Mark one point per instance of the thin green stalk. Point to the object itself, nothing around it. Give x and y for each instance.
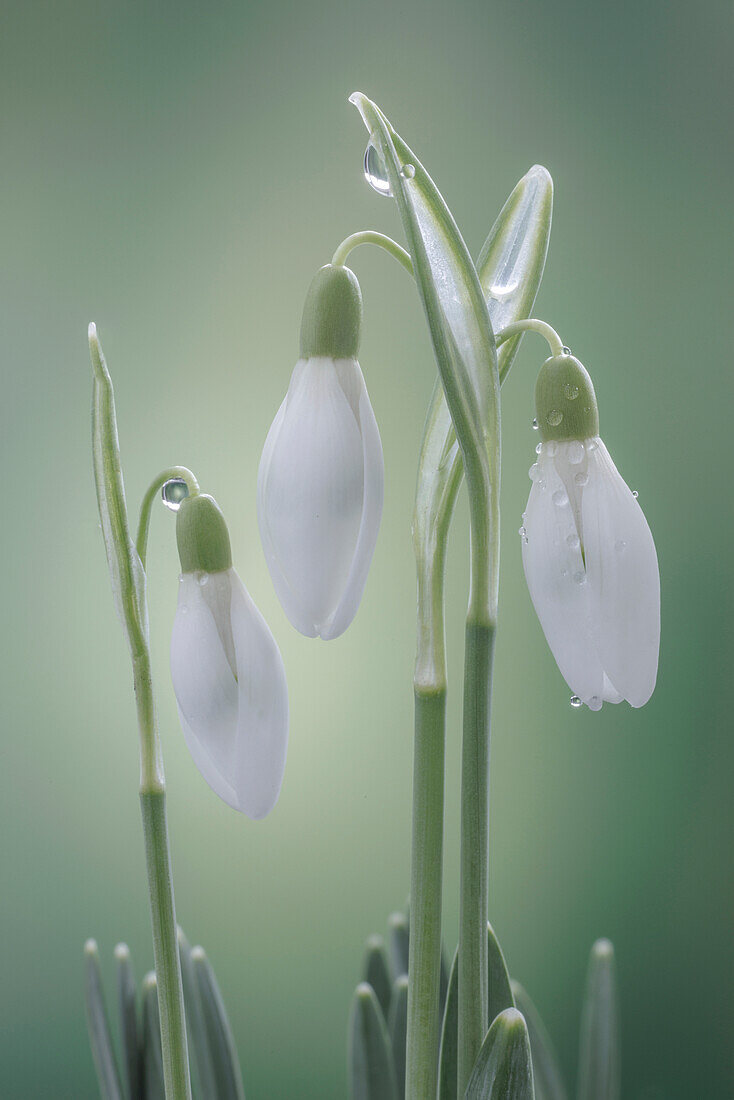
(371, 236)
(128, 583)
(180, 473)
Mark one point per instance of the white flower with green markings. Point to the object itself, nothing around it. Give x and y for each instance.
(589, 556)
(320, 483)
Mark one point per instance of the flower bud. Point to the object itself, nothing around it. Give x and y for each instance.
(565, 401)
(320, 483)
(227, 671)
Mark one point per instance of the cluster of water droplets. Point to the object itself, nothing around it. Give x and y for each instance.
(376, 174)
(173, 492)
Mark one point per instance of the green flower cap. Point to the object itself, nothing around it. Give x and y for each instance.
(565, 401)
(202, 536)
(332, 314)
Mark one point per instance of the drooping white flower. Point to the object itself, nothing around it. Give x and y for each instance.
(320, 483)
(588, 553)
(227, 671)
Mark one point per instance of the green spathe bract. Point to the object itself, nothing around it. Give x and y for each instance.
(565, 402)
(332, 315)
(202, 536)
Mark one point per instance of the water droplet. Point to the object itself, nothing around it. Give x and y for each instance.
(407, 171)
(635, 494)
(571, 391)
(173, 492)
(575, 452)
(592, 444)
(502, 291)
(573, 541)
(576, 702)
(551, 449)
(581, 479)
(534, 473)
(565, 350)
(579, 578)
(554, 417)
(375, 172)
(619, 545)
(539, 448)
(560, 497)
(203, 578)
(595, 703)
(523, 535)
(534, 425)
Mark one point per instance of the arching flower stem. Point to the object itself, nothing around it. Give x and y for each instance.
(532, 324)
(173, 473)
(371, 236)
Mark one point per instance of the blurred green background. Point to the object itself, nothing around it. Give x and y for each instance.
(176, 172)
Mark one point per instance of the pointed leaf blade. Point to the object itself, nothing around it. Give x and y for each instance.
(503, 1070)
(448, 1059)
(499, 996)
(547, 1075)
(98, 1026)
(399, 942)
(132, 1050)
(599, 1060)
(152, 1054)
(376, 972)
(219, 1033)
(370, 1061)
(398, 1029)
(198, 1038)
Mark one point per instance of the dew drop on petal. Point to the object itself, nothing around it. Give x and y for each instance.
(635, 494)
(539, 448)
(573, 541)
(534, 472)
(375, 172)
(551, 449)
(173, 492)
(202, 579)
(595, 703)
(571, 391)
(581, 479)
(560, 497)
(579, 578)
(534, 424)
(407, 171)
(576, 702)
(554, 417)
(592, 444)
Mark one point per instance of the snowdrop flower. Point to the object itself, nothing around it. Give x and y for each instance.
(589, 556)
(227, 671)
(320, 483)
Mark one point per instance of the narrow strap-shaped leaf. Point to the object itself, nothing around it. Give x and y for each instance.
(226, 1064)
(547, 1076)
(499, 998)
(152, 1055)
(397, 1027)
(132, 1047)
(503, 1070)
(599, 1061)
(376, 971)
(198, 1038)
(371, 1068)
(98, 1026)
(399, 941)
(448, 1060)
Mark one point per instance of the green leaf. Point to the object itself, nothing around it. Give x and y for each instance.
(599, 1060)
(132, 1045)
(452, 297)
(376, 972)
(399, 940)
(547, 1076)
(152, 1055)
(397, 1027)
(219, 1033)
(98, 1026)
(503, 1070)
(198, 1038)
(499, 997)
(370, 1063)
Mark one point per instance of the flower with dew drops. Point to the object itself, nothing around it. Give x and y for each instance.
(320, 483)
(588, 553)
(227, 671)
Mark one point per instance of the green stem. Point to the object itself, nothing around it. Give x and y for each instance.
(371, 236)
(532, 324)
(172, 473)
(424, 968)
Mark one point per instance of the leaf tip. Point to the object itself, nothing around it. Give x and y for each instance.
(122, 952)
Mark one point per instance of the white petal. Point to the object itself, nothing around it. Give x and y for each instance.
(374, 477)
(320, 495)
(556, 580)
(623, 580)
(230, 687)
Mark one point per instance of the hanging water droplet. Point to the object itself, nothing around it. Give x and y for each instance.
(571, 391)
(576, 702)
(619, 545)
(560, 497)
(173, 492)
(203, 578)
(375, 172)
(539, 448)
(581, 479)
(534, 425)
(565, 350)
(554, 417)
(523, 535)
(573, 541)
(635, 494)
(575, 452)
(407, 171)
(592, 444)
(595, 703)
(534, 473)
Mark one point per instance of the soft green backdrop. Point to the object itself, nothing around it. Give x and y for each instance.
(176, 172)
